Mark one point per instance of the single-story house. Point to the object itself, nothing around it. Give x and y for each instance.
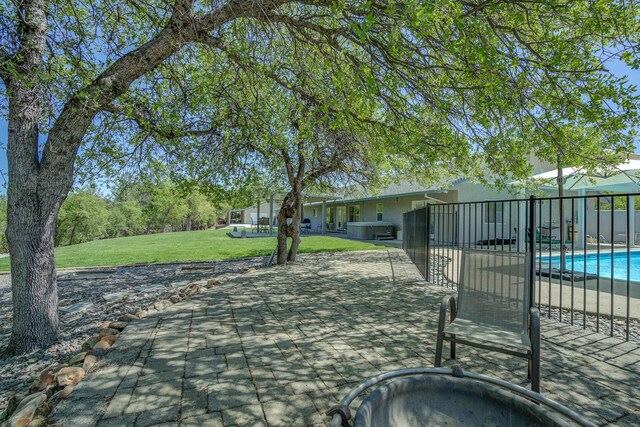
(382, 212)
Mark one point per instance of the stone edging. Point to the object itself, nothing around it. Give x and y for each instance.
(56, 382)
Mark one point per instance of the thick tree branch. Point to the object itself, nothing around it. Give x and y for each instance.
(288, 166)
(76, 116)
(301, 158)
(145, 121)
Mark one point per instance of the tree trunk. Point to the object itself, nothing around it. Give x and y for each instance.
(73, 234)
(295, 232)
(282, 238)
(33, 279)
(187, 224)
(289, 225)
(34, 197)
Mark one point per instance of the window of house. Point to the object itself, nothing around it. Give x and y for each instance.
(493, 213)
(379, 211)
(415, 204)
(315, 212)
(354, 213)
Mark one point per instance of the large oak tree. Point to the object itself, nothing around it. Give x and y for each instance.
(454, 79)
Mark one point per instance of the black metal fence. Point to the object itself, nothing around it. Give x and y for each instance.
(585, 270)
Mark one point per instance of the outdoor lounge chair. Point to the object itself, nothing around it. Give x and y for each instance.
(548, 242)
(492, 310)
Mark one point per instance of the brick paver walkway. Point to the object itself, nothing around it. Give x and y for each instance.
(279, 346)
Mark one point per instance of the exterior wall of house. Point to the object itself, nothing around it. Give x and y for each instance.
(313, 211)
(392, 209)
(469, 192)
(251, 212)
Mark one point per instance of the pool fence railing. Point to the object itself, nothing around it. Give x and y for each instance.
(593, 236)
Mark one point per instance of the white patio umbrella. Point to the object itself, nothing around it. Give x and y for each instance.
(624, 177)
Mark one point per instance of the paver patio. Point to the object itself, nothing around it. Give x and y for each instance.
(279, 346)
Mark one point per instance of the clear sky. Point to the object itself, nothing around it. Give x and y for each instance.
(617, 68)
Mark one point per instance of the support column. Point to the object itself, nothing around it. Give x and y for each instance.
(632, 221)
(346, 217)
(258, 216)
(324, 216)
(271, 216)
(582, 219)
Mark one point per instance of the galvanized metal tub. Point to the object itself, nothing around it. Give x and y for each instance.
(449, 397)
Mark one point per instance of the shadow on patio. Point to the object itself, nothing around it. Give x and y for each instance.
(279, 346)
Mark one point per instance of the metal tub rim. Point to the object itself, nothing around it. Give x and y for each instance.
(341, 413)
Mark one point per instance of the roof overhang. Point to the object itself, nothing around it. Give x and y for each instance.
(423, 194)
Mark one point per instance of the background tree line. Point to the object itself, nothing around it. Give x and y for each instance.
(142, 208)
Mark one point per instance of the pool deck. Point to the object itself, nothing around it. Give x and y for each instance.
(279, 346)
(550, 293)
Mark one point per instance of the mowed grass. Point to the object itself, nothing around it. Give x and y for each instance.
(185, 246)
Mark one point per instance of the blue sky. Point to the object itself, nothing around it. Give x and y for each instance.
(617, 68)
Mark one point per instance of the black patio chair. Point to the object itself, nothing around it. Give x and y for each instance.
(492, 309)
(306, 226)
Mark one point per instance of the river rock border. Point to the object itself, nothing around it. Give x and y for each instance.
(57, 381)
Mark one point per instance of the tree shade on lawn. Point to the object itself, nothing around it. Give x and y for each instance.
(185, 246)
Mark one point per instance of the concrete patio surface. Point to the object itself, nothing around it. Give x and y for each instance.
(279, 346)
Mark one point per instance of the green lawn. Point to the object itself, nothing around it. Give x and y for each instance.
(184, 246)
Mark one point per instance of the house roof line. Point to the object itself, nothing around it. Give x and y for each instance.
(385, 196)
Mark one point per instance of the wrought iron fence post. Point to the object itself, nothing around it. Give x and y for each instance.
(532, 249)
(428, 243)
(404, 227)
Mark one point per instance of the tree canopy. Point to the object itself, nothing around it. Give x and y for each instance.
(436, 86)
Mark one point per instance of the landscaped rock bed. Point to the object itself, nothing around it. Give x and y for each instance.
(95, 305)
(603, 322)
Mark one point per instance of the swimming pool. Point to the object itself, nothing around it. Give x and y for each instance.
(619, 264)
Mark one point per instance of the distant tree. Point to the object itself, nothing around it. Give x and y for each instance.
(83, 217)
(306, 149)
(125, 219)
(166, 209)
(607, 202)
(201, 213)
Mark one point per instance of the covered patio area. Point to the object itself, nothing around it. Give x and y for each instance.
(279, 346)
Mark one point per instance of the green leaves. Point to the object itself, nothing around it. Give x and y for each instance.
(435, 86)
(83, 217)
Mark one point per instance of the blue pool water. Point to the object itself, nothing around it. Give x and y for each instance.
(619, 264)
